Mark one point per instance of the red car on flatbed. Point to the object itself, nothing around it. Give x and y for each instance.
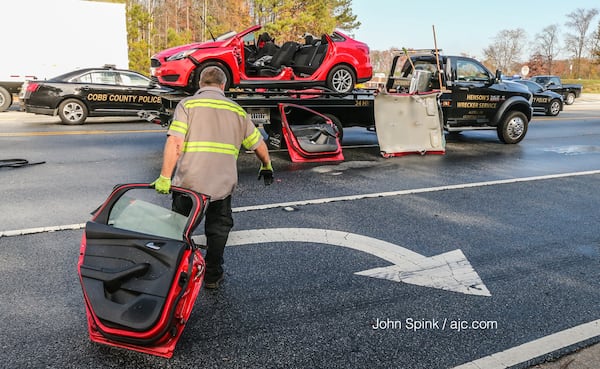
(252, 60)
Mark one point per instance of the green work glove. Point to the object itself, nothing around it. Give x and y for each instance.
(162, 184)
(266, 172)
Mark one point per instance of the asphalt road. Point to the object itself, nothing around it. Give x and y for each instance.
(526, 217)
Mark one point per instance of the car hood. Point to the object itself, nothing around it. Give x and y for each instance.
(516, 86)
(203, 45)
(195, 45)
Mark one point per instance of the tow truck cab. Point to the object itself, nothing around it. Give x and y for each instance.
(472, 97)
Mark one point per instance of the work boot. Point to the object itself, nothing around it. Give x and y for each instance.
(212, 282)
(213, 277)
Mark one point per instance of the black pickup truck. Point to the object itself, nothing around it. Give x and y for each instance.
(568, 91)
(472, 97)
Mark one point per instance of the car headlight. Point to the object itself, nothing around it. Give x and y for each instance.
(181, 55)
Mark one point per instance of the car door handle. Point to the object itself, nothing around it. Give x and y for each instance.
(463, 88)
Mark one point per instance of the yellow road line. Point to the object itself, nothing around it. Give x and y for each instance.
(62, 133)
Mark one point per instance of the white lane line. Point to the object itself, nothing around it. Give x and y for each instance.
(336, 199)
(26, 231)
(413, 191)
(531, 350)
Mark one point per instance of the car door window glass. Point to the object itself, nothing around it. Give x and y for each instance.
(84, 78)
(130, 79)
(141, 211)
(469, 71)
(105, 78)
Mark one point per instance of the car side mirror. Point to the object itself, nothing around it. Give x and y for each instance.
(498, 75)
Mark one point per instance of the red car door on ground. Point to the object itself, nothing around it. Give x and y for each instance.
(139, 269)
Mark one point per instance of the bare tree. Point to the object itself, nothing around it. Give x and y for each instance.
(579, 21)
(548, 45)
(595, 45)
(506, 50)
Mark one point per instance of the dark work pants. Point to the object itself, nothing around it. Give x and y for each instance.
(218, 221)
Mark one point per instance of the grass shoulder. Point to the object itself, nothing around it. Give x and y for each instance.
(590, 86)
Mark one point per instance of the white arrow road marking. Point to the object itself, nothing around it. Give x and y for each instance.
(449, 271)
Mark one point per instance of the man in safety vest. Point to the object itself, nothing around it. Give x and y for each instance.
(203, 142)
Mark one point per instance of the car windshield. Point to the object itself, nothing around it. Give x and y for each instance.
(226, 36)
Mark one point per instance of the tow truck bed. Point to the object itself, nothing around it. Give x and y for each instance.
(348, 110)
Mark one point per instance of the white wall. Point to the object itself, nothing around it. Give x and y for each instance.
(50, 37)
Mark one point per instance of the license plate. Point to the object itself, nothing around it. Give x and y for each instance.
(260, 116)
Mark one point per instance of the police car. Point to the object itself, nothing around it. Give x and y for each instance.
(91, 92)
(544, 100)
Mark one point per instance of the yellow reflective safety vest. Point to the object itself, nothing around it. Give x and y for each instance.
(213, 129)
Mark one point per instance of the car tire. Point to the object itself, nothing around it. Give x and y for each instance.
(554, 108)
(341, 79)
(196, 79)
(5, 99)
(72, 111)
(513, 127)
(570, 99)
(338, 124)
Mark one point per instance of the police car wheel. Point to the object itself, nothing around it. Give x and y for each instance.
(72, 111)
(513, 128)
(554, 108)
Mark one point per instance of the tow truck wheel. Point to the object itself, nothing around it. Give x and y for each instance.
(570, 98)
(5, 99)
(338, 124)
(554, 108)
(513, 128)
(341, 79)
(196, 80)
(72, 111)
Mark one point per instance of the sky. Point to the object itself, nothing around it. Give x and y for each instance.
(461, 26)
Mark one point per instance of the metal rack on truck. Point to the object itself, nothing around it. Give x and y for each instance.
(355, 109)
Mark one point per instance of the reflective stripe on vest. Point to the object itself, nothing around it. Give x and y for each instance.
(207, 146)
(215, 104)
(252, 139)
(179, 126)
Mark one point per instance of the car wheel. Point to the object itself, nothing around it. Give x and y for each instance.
(570, 98)
(5, 99)
(338, 124)
(196, 80)
(513, 128)
(72, 111)
(554, 108)
(341, 79)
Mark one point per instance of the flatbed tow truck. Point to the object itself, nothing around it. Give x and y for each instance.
(471, 98)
